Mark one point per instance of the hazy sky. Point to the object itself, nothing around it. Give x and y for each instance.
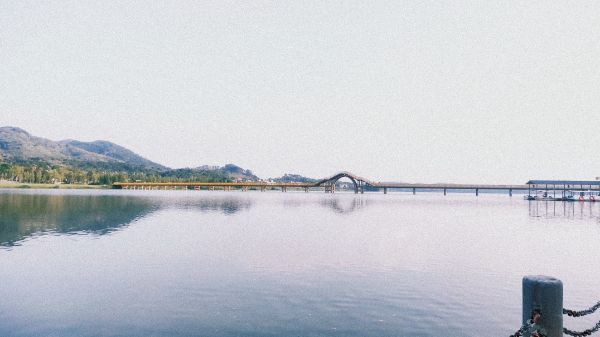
(455, 91)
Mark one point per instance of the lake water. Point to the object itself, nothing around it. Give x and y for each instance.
(189, 263)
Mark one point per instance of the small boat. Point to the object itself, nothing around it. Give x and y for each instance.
(590, 196)
(541, 195)
(567, 196)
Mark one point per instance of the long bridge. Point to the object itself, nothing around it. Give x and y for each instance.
(326, 184)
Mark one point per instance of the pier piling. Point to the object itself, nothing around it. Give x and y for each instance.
(545, 294)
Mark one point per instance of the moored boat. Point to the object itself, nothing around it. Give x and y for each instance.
(590, 196)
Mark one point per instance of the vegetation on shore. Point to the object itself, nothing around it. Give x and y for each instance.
(5, 184)
(41, 173)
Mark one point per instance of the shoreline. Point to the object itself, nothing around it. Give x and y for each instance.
(4, 185)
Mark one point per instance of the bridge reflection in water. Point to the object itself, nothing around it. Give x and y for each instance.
(328, 185)
(29, 214)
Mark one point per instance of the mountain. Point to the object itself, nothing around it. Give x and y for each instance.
(236, 172)
(18, 146)
(294, 178)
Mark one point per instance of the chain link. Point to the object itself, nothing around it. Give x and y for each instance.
(519, 332)
(582, 333)
(574, 313)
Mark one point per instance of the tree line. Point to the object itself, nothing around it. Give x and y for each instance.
(51, 174)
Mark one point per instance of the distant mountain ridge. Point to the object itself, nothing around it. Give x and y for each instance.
(18, 146)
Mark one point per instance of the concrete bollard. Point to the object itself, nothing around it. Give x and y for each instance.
(544, 293)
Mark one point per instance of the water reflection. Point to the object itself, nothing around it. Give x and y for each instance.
(564, 209)
(23, 215)
(344, 206)
(295, 264)
(339, 204)
(226, 205)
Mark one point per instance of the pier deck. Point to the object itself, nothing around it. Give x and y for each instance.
(328, 184)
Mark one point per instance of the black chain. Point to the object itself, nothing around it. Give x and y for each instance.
(519, 332)
(582, 333)
(574, 313)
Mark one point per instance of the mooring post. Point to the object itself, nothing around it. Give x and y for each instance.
(510, 192)
(546, 294)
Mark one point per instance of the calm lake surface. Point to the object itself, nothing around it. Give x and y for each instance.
(189, 263)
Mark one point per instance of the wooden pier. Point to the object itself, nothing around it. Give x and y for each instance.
(327, 184)
(360, 184)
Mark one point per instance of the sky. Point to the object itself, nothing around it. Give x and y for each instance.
(411, 91)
